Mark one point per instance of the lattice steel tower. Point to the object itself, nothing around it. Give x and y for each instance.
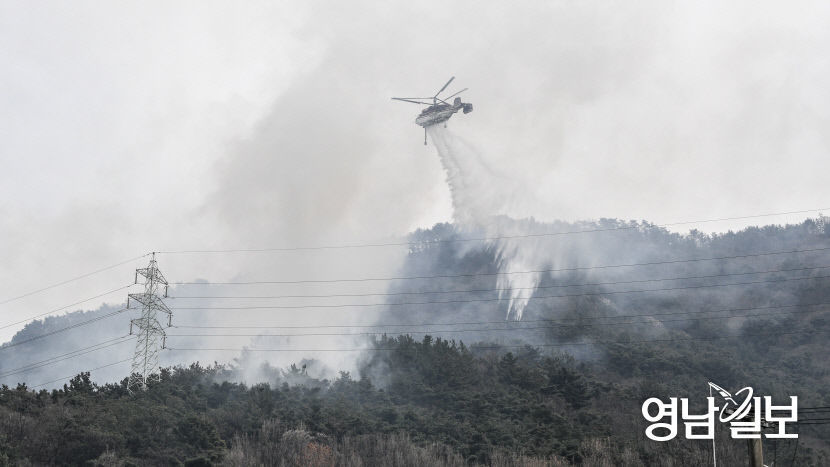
(151, 335)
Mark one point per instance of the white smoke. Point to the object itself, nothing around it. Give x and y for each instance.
(481, 202)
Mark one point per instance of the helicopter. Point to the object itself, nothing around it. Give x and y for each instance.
(438, 110)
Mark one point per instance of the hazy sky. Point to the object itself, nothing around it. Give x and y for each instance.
(130, 127)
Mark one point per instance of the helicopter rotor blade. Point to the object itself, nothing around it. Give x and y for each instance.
(408, 100)
(459, 92)
(445, 86)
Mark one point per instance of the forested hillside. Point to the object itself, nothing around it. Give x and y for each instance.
(627, 312)
(443, 403)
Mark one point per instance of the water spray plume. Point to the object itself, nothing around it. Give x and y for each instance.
(481, 202)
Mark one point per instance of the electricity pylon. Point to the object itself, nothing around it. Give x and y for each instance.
(151, 335)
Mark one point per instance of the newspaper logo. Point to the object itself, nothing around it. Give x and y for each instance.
(746, 414)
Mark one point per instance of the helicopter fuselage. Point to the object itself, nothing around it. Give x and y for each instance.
(439, 113)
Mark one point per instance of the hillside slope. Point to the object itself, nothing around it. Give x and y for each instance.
(628, 312)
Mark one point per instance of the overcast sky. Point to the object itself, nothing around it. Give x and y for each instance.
(130, 127)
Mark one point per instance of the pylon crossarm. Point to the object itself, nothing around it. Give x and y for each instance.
(154, 273)
(144, 298)
(160, 278)
(160, 306)
(150, 300)
(146, 272)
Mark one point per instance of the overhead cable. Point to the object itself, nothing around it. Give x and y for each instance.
(72, 279)
(477, 239)
(533, 271)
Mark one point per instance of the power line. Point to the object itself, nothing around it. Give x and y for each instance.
(477, 239)
(67, 328)
(419, 243)
(534, 271)
(509, 328)
(111, 314)
(465, 275)
(819, 409)
(498, 347)
(455, 301)
(8, 300)
(535, 297)
(63, 357)
(470, 323)
(72, 279)
(101, 345)
(507, 289)
(439, 292)
(64, 307)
